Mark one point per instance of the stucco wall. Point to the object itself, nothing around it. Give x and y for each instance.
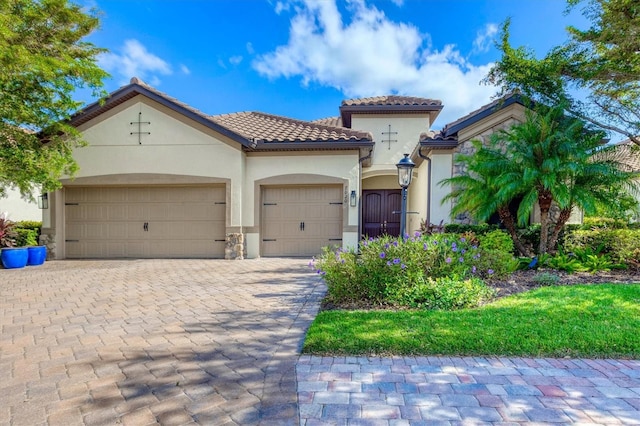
(441, 168)
(331, 167)
(18, 208)
(408, 126)
(174, 146)
(176, 150)
(418, 197)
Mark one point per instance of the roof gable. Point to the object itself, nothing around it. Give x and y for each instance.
(253, 130)
(389, 104)
(447, 138)
(137, 87)
(481, 113)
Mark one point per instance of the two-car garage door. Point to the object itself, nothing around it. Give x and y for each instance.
(145, 222)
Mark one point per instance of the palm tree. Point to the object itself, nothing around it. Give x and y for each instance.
(601, 179)
(548, 159)
(539, 158)
(474, 192)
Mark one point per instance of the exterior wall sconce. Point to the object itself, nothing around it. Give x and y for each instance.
(405, 172)
(43, 201)
(352, 199)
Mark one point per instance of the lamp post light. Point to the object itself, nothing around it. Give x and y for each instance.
(405, 171)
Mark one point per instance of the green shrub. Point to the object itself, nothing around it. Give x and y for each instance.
(561, 262)
(602, 222)
(496, 240)
(30, 224)
(28, 233)
(622, 245)
(26, 237)
(546, 278)
(384, 267)
(480, 229)
(496, 253)
(444, 293)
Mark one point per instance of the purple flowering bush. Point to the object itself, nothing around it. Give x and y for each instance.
(439, 271)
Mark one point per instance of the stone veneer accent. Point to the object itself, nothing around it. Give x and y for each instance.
(234, 248)
(48, 239)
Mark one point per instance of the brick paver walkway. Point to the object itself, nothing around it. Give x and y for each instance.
(467, 391)
(153, 341)
(217, 342)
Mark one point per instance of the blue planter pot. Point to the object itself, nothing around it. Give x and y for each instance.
(14, 257)
(37, 255)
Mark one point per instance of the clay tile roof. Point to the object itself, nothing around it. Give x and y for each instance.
(267, 128)
(389, 104)
(392, 100)
(437, 140)
(252, 129)
(480, 113)
(138, 87)
(329, 121)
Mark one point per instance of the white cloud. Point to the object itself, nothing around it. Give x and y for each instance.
(134, 60)
(398, 2)
(372, 55)
(250, 49)
(235, 60)
(185, 70)
(282, 6)
(484, 39)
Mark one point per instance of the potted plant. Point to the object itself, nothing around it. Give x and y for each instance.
(12, 257)
(27, 236)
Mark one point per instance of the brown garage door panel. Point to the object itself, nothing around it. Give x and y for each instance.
(142, 222)
(300, 221)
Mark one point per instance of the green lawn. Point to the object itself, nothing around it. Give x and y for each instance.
(578, 321)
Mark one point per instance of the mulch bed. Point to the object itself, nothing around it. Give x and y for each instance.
(518, 282)
(521, 281)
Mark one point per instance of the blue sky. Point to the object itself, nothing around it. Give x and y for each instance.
(301, 58)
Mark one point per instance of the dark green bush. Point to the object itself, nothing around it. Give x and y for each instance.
(603, 222)
(621, 245)
(444, 293)
(481, 229)
(28, 233)
(388, 271)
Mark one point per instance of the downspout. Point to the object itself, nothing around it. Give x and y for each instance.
(428, 159)
(360, 160)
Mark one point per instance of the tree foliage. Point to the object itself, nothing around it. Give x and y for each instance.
(595, 73)
(44, 60)
(475, 190)
(549, 159)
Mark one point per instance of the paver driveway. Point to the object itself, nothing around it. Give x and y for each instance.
(146, 341)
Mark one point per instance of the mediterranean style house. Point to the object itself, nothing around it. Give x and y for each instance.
(161, 179)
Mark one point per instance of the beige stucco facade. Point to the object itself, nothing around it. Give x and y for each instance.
(148, 144)
(18, 208)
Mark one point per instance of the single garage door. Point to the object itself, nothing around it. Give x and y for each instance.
(145, 222)
(300, 220)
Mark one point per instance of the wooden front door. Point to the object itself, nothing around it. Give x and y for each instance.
(378, 207)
